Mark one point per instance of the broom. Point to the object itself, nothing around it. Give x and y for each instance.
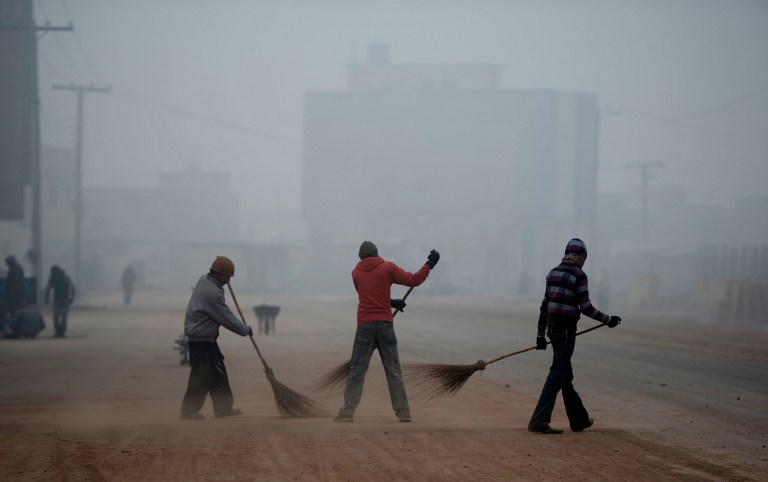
(289, 403)
(433, 381)
(337, 378)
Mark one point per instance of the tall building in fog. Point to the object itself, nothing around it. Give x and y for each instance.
(19, 112)
(416, 156)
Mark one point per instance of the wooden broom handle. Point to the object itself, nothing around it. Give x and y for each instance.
(234, 298)
(534, 347)
(404, 297)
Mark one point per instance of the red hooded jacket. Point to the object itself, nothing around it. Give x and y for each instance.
(373, 278)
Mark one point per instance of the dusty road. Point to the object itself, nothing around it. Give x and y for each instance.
(672, 399)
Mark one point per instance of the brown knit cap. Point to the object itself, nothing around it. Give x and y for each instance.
(223, 265)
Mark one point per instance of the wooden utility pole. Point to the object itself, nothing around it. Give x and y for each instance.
(645, 174)
(81, 90)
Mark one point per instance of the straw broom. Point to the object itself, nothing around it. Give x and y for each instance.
(337, 378)
(289, 403)
(434, 381)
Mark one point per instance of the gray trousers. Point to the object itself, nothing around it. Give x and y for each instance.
(368, 337)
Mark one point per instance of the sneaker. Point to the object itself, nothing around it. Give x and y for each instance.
(232, 413)
(343, 418)
(192, 416)
(544, 428)
(581, 429)
(407, 418)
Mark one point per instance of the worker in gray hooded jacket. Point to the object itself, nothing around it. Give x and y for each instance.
(207, 311)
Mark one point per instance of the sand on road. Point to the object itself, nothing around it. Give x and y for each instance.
(672, 399)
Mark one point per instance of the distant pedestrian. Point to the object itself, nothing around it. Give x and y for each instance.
(207, 311)
(373, 278)
(127, 280)
(15, 287)
(182, 345)
(565, 299)
(63, 294)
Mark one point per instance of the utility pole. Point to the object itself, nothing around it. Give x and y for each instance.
(645, 174)
(597, 243)
(81, 90)
(19, 18)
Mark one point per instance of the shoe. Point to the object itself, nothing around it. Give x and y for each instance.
(343, 418)
(232, 413)
(407, 418)
(544, 428)
(192, 416)
(589, 424)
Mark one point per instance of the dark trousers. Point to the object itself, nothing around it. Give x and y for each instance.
(127, 295)
(207, 375)
(60, 312)
(560, 378)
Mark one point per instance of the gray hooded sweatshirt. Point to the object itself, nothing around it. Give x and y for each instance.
(207, 311)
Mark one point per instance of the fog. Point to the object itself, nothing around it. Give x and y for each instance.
(225, 87)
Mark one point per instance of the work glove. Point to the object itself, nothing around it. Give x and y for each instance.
(398, 304)
(433, 258)
(250, 331)
(541, 342)
(615, 320)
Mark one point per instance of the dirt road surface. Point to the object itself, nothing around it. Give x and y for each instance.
(672, 399)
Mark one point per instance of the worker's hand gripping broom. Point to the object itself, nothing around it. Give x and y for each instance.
(337, 377)
(434, 381)
(289, 403)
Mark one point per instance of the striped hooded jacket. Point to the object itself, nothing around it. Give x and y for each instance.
(567, 293)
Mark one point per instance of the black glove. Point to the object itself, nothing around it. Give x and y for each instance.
(541, 343)
(398, 304)
(615, 320)
(433, 258)
(250, 331)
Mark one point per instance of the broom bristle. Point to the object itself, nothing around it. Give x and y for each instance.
(433, 381)
(291, 403)
(336, 378)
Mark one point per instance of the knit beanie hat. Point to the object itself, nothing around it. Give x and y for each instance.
(575, 252)
(576, 246)
(368, 249)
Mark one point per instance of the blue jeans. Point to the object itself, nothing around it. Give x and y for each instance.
(560, 378)
(368, 337)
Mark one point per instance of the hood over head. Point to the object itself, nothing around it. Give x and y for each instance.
(575, 252)
(576, 246)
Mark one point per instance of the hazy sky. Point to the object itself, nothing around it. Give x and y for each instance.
(220, 83)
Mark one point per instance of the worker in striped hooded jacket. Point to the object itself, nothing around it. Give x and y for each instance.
(565, 299)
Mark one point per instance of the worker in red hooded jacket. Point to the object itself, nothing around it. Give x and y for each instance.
(373, 278)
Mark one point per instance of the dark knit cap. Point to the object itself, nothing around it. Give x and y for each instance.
(368, 249)
(576, 246)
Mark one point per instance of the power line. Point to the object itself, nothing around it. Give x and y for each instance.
(209, 119)
(728, 104)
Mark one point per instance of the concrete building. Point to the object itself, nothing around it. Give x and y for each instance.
(171, 233)
(421, 156)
